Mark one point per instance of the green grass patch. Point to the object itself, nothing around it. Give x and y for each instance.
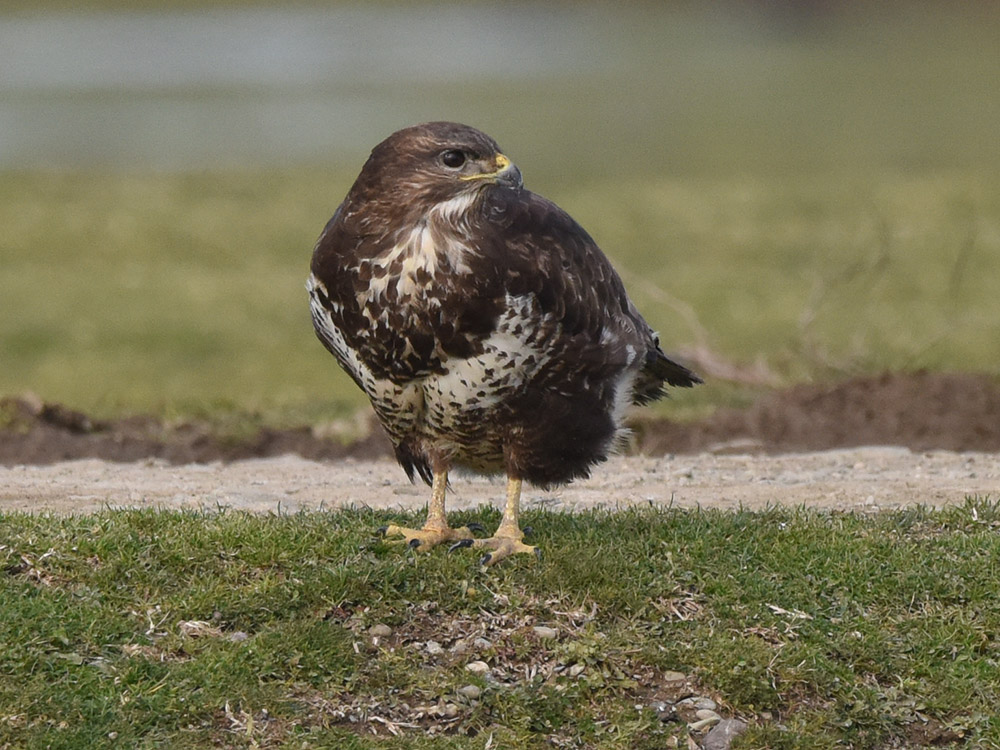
(182, 629)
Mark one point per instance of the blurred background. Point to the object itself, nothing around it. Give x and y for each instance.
(792, 190)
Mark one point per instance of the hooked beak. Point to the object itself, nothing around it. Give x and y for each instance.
(505, 174)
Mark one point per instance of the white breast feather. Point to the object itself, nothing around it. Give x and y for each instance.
(507, 362)
(421, 249)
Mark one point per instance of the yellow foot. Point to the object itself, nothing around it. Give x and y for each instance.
(502, 547)
(426, 538)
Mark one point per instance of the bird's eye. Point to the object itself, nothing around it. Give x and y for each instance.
(453, 158)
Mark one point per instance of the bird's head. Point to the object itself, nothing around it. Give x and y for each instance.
(431, 164)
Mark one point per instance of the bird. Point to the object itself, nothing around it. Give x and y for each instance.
(487, 328)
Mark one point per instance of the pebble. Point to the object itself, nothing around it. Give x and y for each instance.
(697, 726)
(722, 734)
(459, 647)
(477, 667)
(675, 686)
(450, 711)
(237, 636)
(472, 692)
(706, 714)
(481, 644)
(543, 631)
(664, 711)
(697, 703)
(379, 631)
(576, 670)
(433, 648)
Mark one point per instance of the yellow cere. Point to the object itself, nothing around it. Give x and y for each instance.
(502, 162)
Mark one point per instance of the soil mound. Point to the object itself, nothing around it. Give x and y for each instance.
(32, 432)
(920, 411)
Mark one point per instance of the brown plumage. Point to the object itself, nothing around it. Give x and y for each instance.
(485, 325)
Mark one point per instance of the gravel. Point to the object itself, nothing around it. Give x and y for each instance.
(850, 479)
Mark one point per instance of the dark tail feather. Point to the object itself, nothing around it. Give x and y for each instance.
(658, 373)
(414, 464)
(671, 372)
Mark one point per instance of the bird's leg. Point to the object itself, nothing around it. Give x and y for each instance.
(507, 539)
(435, 529)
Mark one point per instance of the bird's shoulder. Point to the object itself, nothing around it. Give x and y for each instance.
(546, 255)
(557, 263)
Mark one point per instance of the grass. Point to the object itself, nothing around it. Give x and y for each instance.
(183, 294)
(146, 629)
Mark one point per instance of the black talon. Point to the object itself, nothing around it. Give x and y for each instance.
(528, 530)
(413, 543)
(485, 559)
(538, 553)
(460, 544)
(380, 531)
(475, 527)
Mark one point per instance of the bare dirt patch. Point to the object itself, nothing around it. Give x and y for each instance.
(920, 411)
(866, 443)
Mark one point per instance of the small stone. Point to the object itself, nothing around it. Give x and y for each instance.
(674, 686)
(576, 670)
(477, 667)
(706, 714)
(459, 647)
(379, 631)
(665, 712)
(545, 632)
(481, 644)
(706, 703)
(472, 692)
(433, 648)
(701, 724)
(237, 636)
(450, 711)
(686, 707)
(723, 733)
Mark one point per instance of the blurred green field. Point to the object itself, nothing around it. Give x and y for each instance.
(800, 195)
(181, 294)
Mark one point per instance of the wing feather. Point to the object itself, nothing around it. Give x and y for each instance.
(546, 254)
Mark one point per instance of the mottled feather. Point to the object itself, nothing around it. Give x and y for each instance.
(486, 326)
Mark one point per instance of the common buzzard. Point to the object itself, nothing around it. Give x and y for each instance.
(486, 326)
